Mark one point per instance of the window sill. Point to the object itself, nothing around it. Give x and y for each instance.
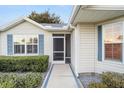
(112, 62)
(25, 54)
(109, 60)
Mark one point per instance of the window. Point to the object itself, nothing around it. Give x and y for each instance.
(32, 44)
(113, 37)
(58, 34)
(25, 44)
(19, 44)
(68, 48)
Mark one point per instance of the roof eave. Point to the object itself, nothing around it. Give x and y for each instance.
(75, 12)
(11, 24)
(77, 9)
(16, 22)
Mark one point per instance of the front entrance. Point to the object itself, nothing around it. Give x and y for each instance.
(58, 49)
(61, 48)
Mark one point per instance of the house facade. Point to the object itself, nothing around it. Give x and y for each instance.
(92, 41)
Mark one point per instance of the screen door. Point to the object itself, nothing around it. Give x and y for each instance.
(58, 50)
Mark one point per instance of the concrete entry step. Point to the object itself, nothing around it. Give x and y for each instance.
(61, 77)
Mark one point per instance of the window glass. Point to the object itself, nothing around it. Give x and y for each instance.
(58, 34)
(18, 39)
(32, 42)
(108, 34)
(19, 49)
(35, 49)
(23, 43)
(32, 39)
(113, 41)
(19, 44)
(117, 41)
(108, 42)
(68, 45)
(31, 48)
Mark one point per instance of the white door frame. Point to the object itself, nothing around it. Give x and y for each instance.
(58, 62)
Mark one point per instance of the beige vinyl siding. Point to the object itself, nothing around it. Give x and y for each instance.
(26, 28)
(109, 66)
(87, 48)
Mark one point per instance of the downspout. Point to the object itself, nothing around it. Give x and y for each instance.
(72, 26)
(76, 53)
(74, 65)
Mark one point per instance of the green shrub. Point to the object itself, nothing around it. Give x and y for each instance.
(23, 63)
(113, 80)
(110, 80)
(22, 80)
(31, 80)
(97, 85)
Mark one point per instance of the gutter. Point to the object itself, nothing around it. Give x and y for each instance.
(75, 12)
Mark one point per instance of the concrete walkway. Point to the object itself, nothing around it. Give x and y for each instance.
(61, 77)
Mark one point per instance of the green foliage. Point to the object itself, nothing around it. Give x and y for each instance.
(20, 80)
(110, 80)
(97, 85)
(23, 63)
(113, 80)
(45, 17)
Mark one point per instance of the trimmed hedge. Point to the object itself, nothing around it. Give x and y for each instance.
(20, 80)
(23, 63)
(110, 80)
